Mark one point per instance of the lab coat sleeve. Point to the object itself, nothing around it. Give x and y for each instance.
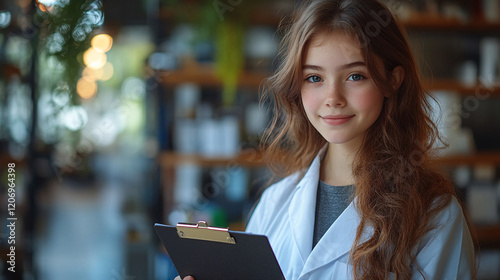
(447, 251)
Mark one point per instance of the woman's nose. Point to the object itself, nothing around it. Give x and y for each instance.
(335, 97)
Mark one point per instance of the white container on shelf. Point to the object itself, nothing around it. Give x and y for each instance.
(237, 184)
(230, 133)
(255, 119)
(489, 60)
(468, 73)
(187, 185)
(185, 138)
(482, 204)
(219, 138)
(187, 98)
(209, 138)
(491, 10)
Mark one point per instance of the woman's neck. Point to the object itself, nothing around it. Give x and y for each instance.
(336, 166)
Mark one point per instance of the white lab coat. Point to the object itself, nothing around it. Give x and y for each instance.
(286, 212)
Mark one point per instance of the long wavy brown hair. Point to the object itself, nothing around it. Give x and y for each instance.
(398, 189)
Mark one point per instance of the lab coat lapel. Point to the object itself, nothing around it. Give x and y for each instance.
(336, 242)
(302, 208)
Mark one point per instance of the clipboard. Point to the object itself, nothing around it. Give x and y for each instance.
(209, 253)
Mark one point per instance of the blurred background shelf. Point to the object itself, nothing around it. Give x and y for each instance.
(440, 24)
(491, 158)
(488, 236)
(204, 76)
(245, 158)
(253, 157)
(458, 87)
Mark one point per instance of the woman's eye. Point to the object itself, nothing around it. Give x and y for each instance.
(313, 79)
(356, 77)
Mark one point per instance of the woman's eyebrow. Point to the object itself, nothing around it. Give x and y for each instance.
(351, 65)
(339, 68)
(312, 67)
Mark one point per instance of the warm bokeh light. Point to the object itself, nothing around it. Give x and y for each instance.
(89, 73)
(102, 74)
(94, 59)
(106, 72)
(102, 42)
(44, 5)
(86, 88)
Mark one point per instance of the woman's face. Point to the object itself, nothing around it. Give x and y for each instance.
(338, 93)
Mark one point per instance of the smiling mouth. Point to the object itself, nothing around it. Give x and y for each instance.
(336, 119)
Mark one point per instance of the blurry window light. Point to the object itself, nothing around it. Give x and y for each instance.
(61, 95)
(48, 122)
(5, 18)
(94, 59)
(79, 34)
(86, 88)
(64, 28)
(19, 110)
(19, 106)
(103, 131)
(18, 51)
(74, 117)
(102, 42)
(54, 64)
(95, 16)
(19, 131)
(47, 5)
(55, 42)
(134, 88)
(47, 2)
(133, 114)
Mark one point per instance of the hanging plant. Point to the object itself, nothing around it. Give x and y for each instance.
(224, 23)
(66, 35)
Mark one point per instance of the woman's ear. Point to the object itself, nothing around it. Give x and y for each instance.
(397, 77)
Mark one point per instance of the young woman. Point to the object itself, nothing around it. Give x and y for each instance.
(361, 199)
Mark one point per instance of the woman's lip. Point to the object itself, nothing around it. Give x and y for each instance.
(336, 119)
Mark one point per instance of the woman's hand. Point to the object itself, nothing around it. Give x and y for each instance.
(185, 278)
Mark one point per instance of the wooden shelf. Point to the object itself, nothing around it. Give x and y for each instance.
(254, 158)
(481, 158)
(434, 23)
(191, 13)
(205, 76)
(488, 236)
(245, 158)
(4, 160)
(455, 86)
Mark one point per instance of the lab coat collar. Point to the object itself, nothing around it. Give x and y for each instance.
(303, 205)
(338, 239)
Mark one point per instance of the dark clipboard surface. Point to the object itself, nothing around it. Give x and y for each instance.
(250, 258)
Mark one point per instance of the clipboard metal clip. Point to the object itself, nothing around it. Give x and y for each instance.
(202, 231)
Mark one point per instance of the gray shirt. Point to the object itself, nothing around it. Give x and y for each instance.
(331, 201)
